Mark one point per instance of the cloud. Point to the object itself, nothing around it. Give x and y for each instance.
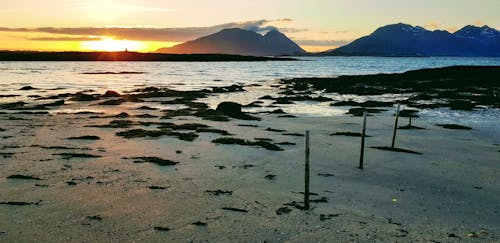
(66, 38)
(432, 25)
(152, 33)
(322, 42)
(479, 23)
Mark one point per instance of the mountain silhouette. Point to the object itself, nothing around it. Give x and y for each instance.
(406, 40)
(238, 41)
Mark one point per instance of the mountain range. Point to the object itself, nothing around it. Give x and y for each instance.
(239, 41)
(406, 40)
(391, 40)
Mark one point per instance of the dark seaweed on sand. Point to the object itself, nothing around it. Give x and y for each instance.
(349, 134)
(154, 160)
(76, 155)
(454, 126)
(462, 87)
(24, 177)
(86, 137)
(140, 133)
(397, 150)
(263, 144)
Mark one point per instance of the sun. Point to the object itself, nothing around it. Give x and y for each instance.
(110, 44)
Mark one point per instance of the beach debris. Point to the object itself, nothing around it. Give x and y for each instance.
(160, 228)
(283, 210)
(453, 235)
(323, 217)
(270, 177)
(363, 135)
(20, 203)
(220, 167)
(395, 127)
(86, 137)
(219, 192)
(235, 209)
(199, 223)
(306, 172)
(238, 141)
(454, 126)
(154, 160)
(23, 177)
(396, 150)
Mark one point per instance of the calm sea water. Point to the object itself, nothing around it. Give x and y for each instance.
(64, 77)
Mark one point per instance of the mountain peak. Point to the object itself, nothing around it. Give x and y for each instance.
(239, 41)
(471, 31)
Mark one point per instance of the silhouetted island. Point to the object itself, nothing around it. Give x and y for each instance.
(128, 56)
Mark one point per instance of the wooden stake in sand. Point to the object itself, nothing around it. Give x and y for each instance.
(306, 173)
(363, 132)
(395, 127)
(409, 122)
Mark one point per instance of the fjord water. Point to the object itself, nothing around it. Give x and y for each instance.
(258, 77)
(190, 75)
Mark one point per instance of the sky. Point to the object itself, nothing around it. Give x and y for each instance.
(146, 25)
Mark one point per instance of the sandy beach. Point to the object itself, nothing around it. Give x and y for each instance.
(109, 176)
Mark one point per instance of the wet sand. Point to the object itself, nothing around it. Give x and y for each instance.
(160, 187)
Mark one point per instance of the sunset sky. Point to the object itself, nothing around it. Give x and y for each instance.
(146, 25)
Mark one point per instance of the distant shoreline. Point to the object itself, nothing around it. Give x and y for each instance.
(130, 57)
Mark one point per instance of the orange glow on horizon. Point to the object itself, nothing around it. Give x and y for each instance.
(109, 44)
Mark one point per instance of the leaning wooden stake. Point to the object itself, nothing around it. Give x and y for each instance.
(395, 127)
(363, 132)
(306, 173)
(409, 123)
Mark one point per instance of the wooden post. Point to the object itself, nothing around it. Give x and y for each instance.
(395, 127)
(363, 132)
(306, 174)
(409, 123)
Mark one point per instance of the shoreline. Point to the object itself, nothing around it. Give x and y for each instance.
(126, 56)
